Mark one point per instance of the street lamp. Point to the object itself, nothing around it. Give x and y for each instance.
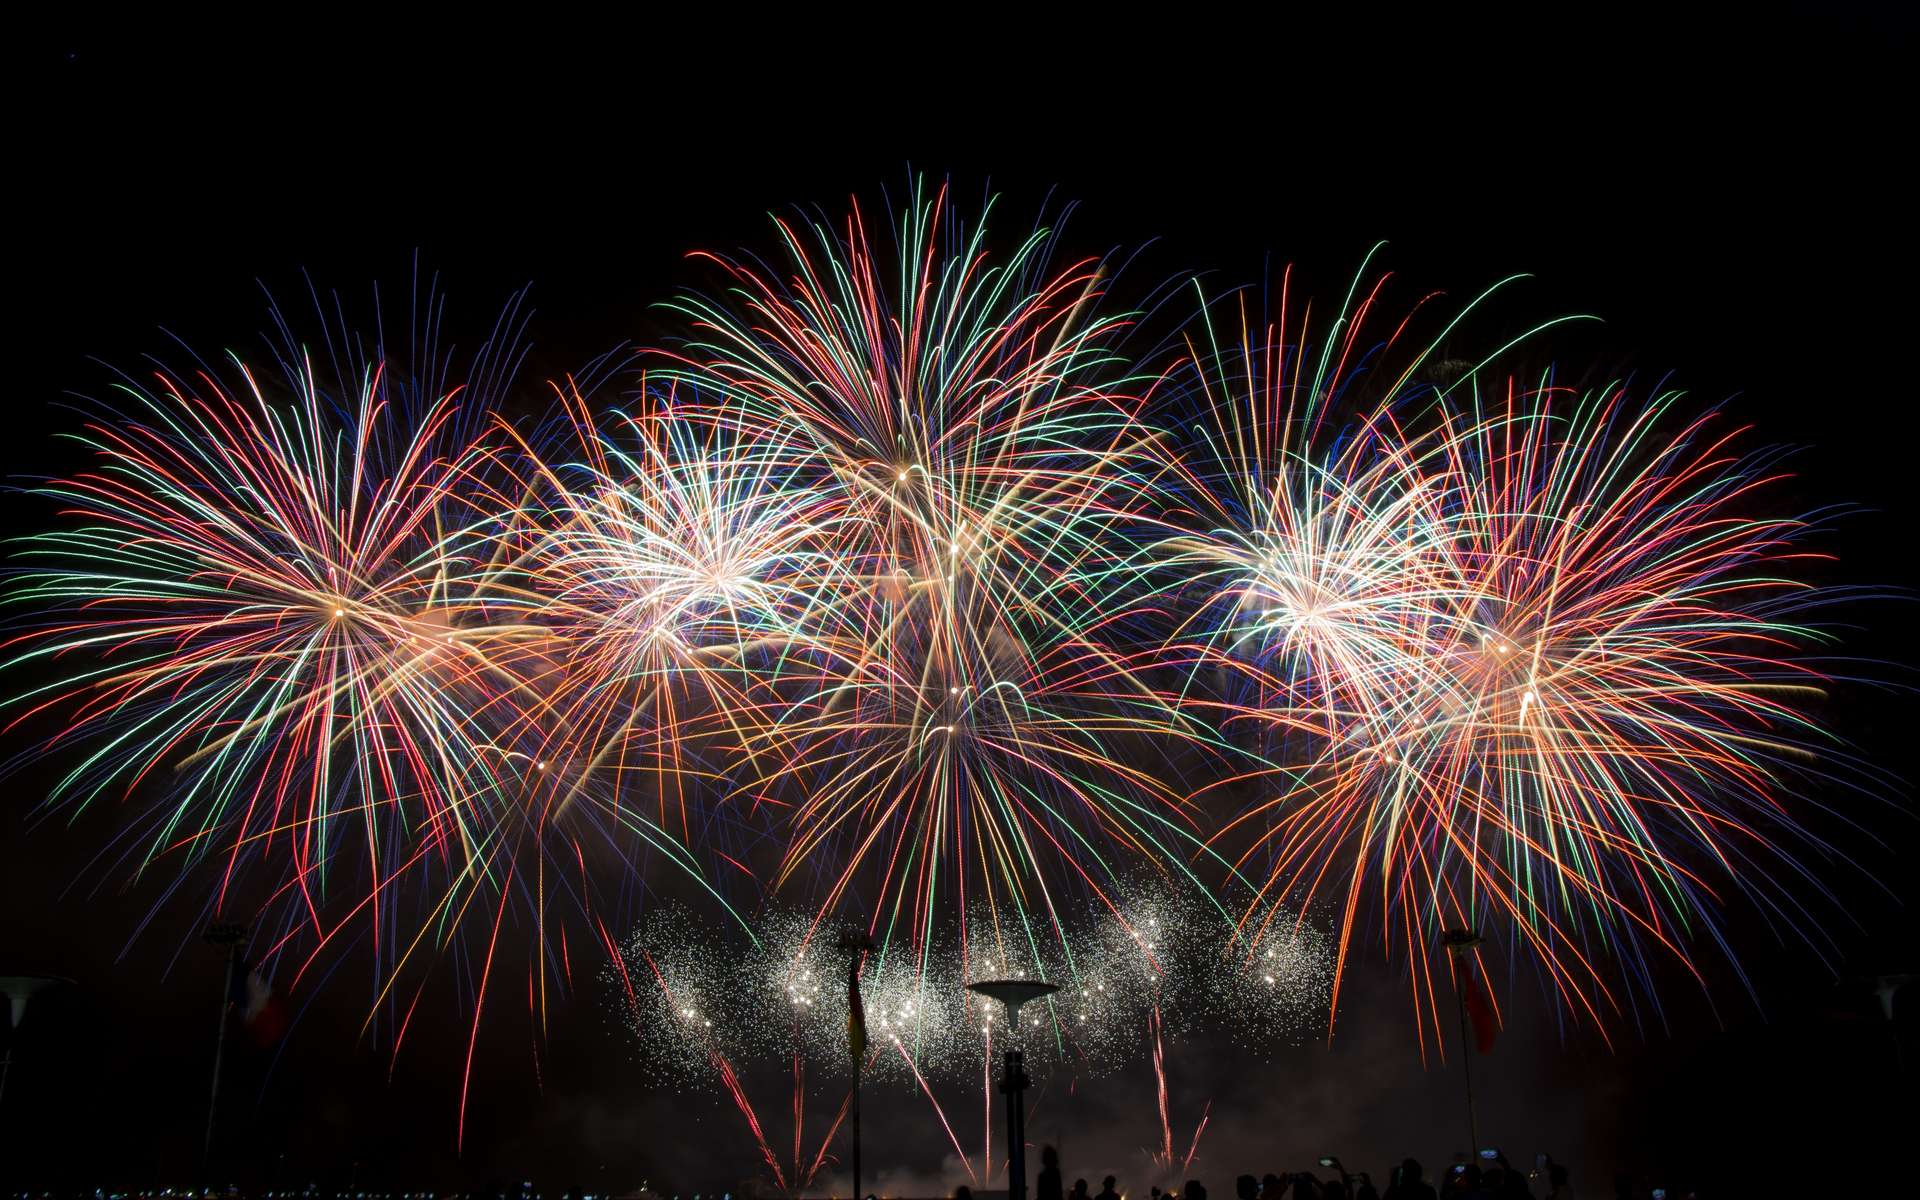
(232, 937)
(19, 989)
(1013, 1082)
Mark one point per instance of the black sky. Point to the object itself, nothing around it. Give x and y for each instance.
(1733, 201)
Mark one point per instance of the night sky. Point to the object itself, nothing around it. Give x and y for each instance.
(1733, 203)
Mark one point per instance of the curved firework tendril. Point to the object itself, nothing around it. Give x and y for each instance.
(1512, 667)
(974, 422)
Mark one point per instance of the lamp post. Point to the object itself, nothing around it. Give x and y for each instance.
(1013, 1083)
(230, 936)
(1460, 943)
(1885, 987)
(19, 989)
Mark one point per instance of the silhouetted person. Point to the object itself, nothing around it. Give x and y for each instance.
(1079, 1191)
(1048, 1187)
(1107, 1191)
(1272, 1187)
(1472, 1184)
(1409, 1183)
(1558, 1187)
(1513, 1184)
(1365, 1190)
(963, 1192)
(1194, 1190)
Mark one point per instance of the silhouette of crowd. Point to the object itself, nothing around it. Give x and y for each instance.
(1486, 1176)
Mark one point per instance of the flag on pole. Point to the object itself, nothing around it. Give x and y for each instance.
(1480, 1012)
(856, 1015)
(261, 1011)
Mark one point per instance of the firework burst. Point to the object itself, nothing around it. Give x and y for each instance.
(275, 607)
(684, 577)
(971, 418)
(1513, 669)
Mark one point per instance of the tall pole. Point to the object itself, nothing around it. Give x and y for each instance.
(1886, 987)
(1014, 1085)
(1461, 943)
(231, 937)
(856, 1130)
(1466, 1061)
(19, 989)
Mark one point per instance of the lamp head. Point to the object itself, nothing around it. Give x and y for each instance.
(852, 941)
(1460, 940)
(1013, 992)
